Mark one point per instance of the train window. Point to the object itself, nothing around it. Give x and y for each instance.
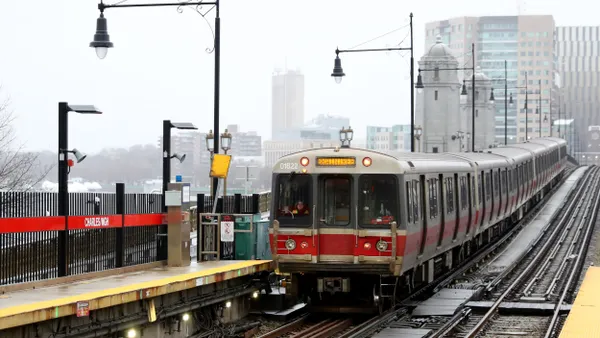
(504, 181)
(480, 189)
(488, 186)
(377, 199)
(416, 199)
(463, 193)
(293, 199)
(449, 195)
(409, 202)
(473, 200)
(496, 185)
(336, 200)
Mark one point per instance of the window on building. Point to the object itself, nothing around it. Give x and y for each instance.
(435, 149)
(436, 95)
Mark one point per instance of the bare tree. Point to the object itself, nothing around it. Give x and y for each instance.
(19, 170)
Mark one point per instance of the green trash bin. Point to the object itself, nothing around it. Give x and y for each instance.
(245, 238)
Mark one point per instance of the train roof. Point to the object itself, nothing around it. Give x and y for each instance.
(482, 160)
(549, 143)
(518, 155)
(536, 148)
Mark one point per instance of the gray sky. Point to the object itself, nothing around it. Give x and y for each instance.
(159, 68)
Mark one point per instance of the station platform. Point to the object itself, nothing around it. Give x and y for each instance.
(583, 321)
(532, 232)
(52, 301)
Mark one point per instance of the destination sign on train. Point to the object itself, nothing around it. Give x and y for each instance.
(336, 161)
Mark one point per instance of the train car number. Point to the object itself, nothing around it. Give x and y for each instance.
(288, 166)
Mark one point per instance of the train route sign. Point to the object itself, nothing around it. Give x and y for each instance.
(227, 228)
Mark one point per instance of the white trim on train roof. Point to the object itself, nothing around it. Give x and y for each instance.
(424, 166)
(548, 143)
(518, 155)
(483, 160)
(536, 148)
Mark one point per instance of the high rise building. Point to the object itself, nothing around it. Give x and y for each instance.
(287, 102)
(525, 43)
(578, 62)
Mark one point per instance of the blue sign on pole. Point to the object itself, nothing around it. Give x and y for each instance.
(178, 178)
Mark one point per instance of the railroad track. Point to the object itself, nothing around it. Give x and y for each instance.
(446, 326)
(309, 327)
(549, 272)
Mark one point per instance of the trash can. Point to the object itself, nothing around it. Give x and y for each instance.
(245, 238)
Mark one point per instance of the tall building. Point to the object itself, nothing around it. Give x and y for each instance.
(287, 102)
(525, 43)
(394, 138)
(244, 144)
(578, 62)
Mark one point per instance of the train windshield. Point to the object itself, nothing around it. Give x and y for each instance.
(378, 199)
(336, 191)
(293, 199)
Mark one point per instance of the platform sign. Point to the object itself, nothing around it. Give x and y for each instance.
(83, 309)
(227, 228)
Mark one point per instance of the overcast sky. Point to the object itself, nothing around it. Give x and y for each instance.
(159, 68)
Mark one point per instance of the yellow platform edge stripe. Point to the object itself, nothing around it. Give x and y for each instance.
(25, 308)
(582, 320)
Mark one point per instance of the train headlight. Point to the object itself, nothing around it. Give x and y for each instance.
(382, 245)
(367, 161)
(367, 246)
(290, 244)
(304, 161)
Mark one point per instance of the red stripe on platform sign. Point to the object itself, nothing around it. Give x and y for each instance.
(95, 222)
(145, 220)
(31, 224)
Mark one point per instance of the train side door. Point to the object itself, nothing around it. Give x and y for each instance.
(334, 214)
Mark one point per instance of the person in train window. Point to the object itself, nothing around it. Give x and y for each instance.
(300, 209)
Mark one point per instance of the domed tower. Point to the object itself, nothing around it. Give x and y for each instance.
(437, 109)
(485, 120)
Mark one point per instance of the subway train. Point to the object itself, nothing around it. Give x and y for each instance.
(359, 227)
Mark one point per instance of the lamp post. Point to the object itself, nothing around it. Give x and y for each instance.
(63, 176)
(460, 135)
(338, 73)
(418, 133)
(505, 102)
(166, 141)
(540, 107)
(225, 145)
(346, 135)
(210, 146)
(102, 43)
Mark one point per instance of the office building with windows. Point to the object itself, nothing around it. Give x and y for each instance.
(394, 138)
(526, 45)
(578, 62)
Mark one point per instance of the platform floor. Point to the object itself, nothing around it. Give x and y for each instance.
(531, 232)
(60, 300)
(584, 318)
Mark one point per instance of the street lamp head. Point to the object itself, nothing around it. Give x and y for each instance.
(84, 109)
(343, 135)
(464, 88)
(492, 97)
(510, 100)
(545, 118)
(181, 158)
(349, 133)
(419, 84)
(210, 141)
(183, 125)
(101, 39)
(226, 140)
(338, 72)
(418, 131)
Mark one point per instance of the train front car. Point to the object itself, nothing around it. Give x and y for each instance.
(335, 225)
